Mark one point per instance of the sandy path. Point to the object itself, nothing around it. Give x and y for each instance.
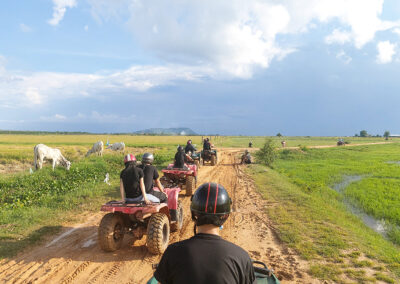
(73, 256)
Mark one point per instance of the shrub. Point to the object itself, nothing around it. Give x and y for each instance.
(267, 153)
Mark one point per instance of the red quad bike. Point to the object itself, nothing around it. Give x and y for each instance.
(181, 177)
(156, 220)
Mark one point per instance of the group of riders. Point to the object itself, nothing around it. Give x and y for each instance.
(198, 257)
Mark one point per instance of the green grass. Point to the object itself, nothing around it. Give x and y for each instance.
(377, 193)
(291, 141)
(312, 220)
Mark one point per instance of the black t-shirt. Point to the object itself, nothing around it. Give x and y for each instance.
(205, 259)
(131, 181)
(207, 145)
(179, 159)
(150, 174)
(190, 147)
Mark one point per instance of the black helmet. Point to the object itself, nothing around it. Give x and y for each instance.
(180, 148)
(211, 204)
(148, 158)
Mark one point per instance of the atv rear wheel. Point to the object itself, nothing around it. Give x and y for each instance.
(213, 160)
(158, 233)
(111, 232)
(179, 218)
(190, 185)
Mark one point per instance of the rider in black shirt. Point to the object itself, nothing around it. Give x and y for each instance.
(206, 257)
(179, 161)
(131, 181)
(150, 176)
(189, 147)
(207, 144)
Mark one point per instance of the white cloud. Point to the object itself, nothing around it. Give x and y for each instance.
(344, 57)
(54, 118)
(386, 51)
(33, 96)
(396, 31)
(59, 9)
(86, 28)
(338, 36)
(25, 28)
(93, 116)
(42, 88)
(239, 36)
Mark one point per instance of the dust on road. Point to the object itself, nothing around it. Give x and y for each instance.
(74, 256)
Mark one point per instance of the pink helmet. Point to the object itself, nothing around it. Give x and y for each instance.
(129, 158)
(189, 141)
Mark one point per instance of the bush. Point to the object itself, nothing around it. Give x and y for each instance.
(267, 153)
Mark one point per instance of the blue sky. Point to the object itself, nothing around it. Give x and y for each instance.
(250, 67)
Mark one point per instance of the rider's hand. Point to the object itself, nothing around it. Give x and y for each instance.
(147, 201)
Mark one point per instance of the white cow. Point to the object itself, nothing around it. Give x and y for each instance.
(43, 152)
(119, 146)
(97, 148)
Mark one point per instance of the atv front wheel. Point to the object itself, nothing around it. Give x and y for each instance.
(179, 218)
(157, 233)
(111, 232)
(190, 185)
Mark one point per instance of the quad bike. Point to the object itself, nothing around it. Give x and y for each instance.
(180, 177)
(196, 157)
(209, 156)
(263, 274)
(341, 143)
(245, 159)
(156, 220)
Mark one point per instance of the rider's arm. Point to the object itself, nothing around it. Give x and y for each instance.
(159, 185)
(143, 189)
(121, 189)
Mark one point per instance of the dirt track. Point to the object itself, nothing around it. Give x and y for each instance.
(73, 256)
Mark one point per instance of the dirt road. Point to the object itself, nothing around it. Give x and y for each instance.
(74, 256)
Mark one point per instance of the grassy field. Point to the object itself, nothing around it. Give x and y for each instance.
(378, 191)
(312, 217)
(294, 141)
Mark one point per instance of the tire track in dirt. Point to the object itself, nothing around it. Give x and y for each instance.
(76, 258)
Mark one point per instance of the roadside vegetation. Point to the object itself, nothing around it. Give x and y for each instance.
(311, 216)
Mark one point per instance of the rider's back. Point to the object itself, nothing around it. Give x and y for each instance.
(205, 258)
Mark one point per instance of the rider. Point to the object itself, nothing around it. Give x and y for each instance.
(132, 184)
(189, 147)
(207, 144)
(206, 257)
(151, 176)
(246, 158)
(179, 161)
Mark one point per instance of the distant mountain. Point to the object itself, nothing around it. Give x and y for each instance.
(167, 131)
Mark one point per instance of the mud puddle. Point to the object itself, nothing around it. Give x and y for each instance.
(370, 221)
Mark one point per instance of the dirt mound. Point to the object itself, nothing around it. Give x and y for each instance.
(75, 257)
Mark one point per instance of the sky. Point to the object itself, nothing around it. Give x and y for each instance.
(229, 67)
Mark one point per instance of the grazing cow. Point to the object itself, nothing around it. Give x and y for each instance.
(97, 148)
(43, 152)
(283, 144)
(119, 146)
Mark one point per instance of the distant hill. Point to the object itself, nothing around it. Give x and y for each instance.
(167, 131)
